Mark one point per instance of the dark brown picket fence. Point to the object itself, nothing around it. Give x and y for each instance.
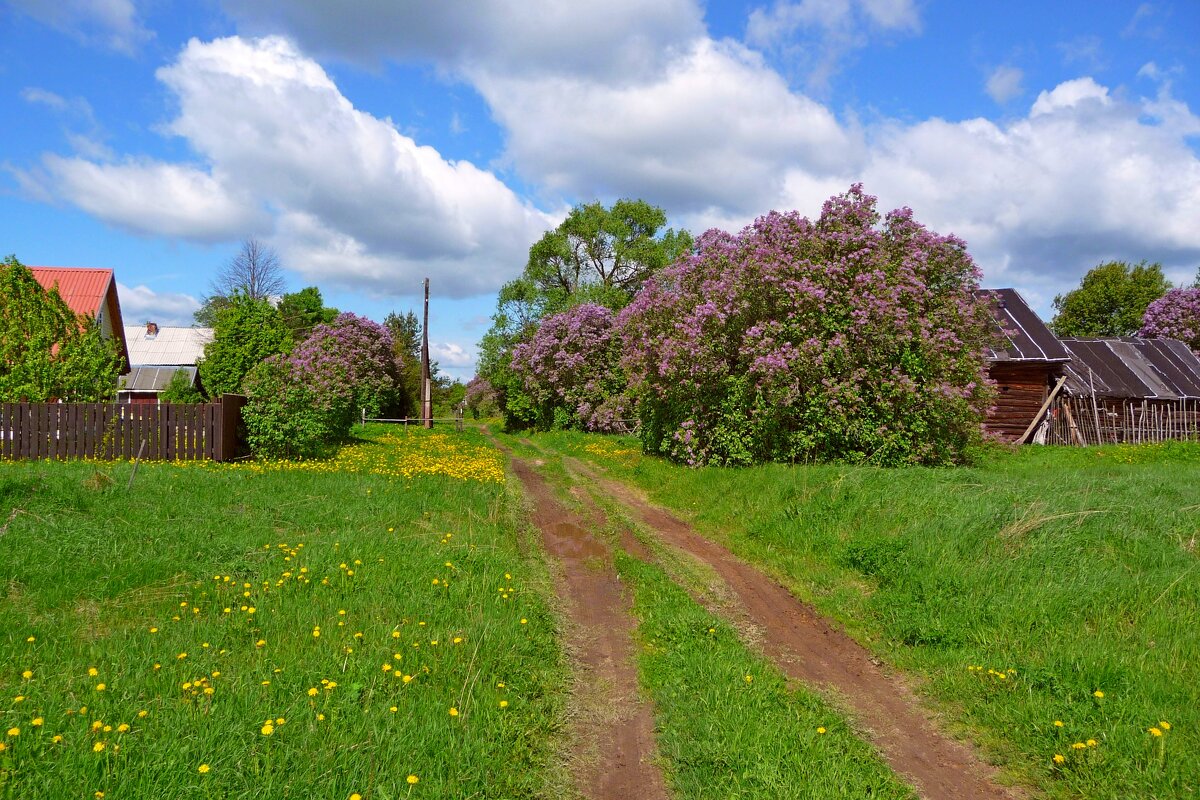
(170, 432)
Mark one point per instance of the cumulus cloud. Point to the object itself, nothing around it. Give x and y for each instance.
(1083, 177)
(1004, 83)
(142, 304)
(817, 35)
(345, 197)
(614, 39)
(111, 24)
(713, 133)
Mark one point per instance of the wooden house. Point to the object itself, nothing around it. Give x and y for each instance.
(1025, 362)
(156, 354)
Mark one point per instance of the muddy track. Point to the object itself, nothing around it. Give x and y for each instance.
(613, 745)
(809, 649)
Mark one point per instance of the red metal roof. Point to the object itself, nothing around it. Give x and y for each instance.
(91, 291)
(83, 288)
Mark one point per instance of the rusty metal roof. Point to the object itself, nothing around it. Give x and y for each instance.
(1132, 368)
(1022, 334)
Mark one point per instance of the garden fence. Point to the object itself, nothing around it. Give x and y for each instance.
(107, 431)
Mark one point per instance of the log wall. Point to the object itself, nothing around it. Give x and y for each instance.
(1020, 391)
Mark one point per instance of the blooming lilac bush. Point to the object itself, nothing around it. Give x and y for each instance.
(1175, 315)
(569, 369)
(833, 339)
(304, 402)
(480, 398)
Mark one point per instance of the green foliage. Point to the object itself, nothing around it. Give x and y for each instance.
(47, 352)
(1110, 301)
(246, 332)
(181, 389)
(304, 310)
(406, 344)
(596, 255)
(286, 418)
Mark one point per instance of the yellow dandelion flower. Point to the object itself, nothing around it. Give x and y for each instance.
(31, 639)
(356, 796)
(749, 679)
(504, 704)
(37, 722)
(393, 709)
(203, 769)
(27, 674)
(453, 712)
(181, 656)
(1091, 743)
(122, 728)
(268, 729)
(312, 692)
(1155, 732)
(820, 730)
(57, 738)
(14, 731)
(1166, 726)
(413, 779)
(1099, 695)
(143, 714)
(154, 630)
(320, 717)
(524, 621)
(1078, 746)
(1058, 723)
(98, 747)
(1059, 758)
(100, 687)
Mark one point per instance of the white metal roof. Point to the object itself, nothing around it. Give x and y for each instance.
(169, 347)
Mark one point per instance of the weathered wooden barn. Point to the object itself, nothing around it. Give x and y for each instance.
(1026, 363)
(1126, 390)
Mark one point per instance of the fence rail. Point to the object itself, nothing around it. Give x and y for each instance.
(1084, 421)
(169, 432)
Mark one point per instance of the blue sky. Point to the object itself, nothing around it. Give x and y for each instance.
(373, 143)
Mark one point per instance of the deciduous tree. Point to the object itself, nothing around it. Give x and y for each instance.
(246, 331)
(1111, 300)
(47, 351)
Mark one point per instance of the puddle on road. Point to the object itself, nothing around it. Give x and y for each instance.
(568, 540)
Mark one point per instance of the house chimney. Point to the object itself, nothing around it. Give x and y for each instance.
(152, 329)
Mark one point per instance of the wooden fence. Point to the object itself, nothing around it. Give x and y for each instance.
(169, 432)
(1083, 421)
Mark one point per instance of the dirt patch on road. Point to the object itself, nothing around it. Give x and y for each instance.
(613, 750)
(807, 648)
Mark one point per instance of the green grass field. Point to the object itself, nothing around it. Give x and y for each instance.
(1046, 601)
(270, 631)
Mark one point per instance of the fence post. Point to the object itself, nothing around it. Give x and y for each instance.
(229, 415)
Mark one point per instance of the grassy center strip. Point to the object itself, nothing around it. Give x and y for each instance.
(728, 723)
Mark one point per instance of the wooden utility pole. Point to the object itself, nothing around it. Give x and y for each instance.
(426, 398)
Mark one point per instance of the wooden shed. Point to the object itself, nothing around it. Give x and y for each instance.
(1126, 390)
(1025, 363)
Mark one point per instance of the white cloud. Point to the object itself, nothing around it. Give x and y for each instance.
(112, 24)
(817, 35)
(153, 198)
(346, 198)
(1039, 200)
(1004, 83)
(142, 304)
(1071, 94)
(451, 354)
(609, 40)
(715, 131)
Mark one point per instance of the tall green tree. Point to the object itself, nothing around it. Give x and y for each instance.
(304, 310)
(48, 352)
(598, 255)
(246, 331)
(1111, 300)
